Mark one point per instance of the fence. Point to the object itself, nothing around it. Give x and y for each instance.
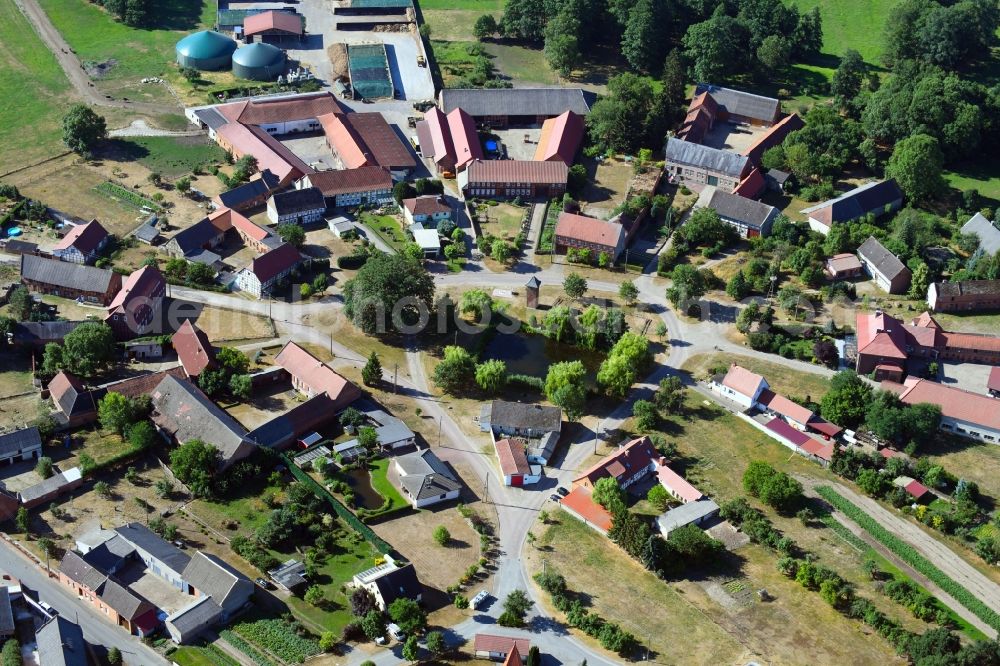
(339, 508)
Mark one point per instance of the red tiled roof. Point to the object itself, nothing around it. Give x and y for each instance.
(742, 380)
(589, 230)
(512, 457)
(674, 482)
(427, 204)
(796, 437)
(193, 348)
(781, 405)
(916, 489)
(993, 382)
(464, 138)
(272, 20)
(62, 383)
(582, 504)
(504, 644)
(561, 138)
(271, 154)
(318, 376)
(880, 335)
(774, 136)
(349, 181)
(818, 449)
(365, 139)
(971, 341)
(84, 237)
(517, 171)
(823, 426)
(437, 125)
(889, 453)
(274, 262)
(264, 111)
(226, 218)
(926, 320)
(751, 186)
(513, 657)
(632, 457)
(142, 283)
(955, 403)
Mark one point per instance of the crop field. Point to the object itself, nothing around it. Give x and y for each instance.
(30, 129)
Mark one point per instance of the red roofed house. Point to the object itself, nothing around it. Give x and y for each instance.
(312, 377)
(464, 138)
(677, 485)
(700, 118)
(513, 657)
(793, 413)
(881, 345)
(193, 348)
(993, 382)
(494, 647)
(964, 413)
(272, 26)
(435, 140)
(271, 154)
(428, 209)
(561, 138)
(581, 505)
(589, 233)
(514, 178)
(351, 187)
(82, 244)
(774, 136)
(741, 386)
(514, 466)
(916, 490)
(135, 311)
(253, 235)
(366, 139)
(752, 185)
(628, 465)
(266, 271)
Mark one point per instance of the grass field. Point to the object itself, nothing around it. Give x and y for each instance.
(30, 128)
(135, 52)
(779, 377)
(388, 228)
(984, 177)
(851, 24)
(199, 656)
(171, 157)
(378, 471)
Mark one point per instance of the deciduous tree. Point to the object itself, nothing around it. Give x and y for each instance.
(82, 129)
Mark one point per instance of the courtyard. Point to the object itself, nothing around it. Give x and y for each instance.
(733, 137)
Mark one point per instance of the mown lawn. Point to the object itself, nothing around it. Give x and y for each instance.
(31, 77)
(851, 24)
(388, 228)
(780, 378)
(984, 177)
(173, 157)
(138, 52)
(378, 471)
(198, 656)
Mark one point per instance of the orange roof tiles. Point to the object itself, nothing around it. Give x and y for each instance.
(193, 348)
(318, 376)
(751, 186)
(779, 404)
(993, 382)
(503, 172)
(561, 138)
(677, 484)
(464, 137)
(955, 403)
(589, 230)
(437, 124)
(502, 644)
(580, 502)
(365, 139)
(971, 341)
(141, 284)
(774, 136)
(277, 110)
(271, 154)
(632, 457)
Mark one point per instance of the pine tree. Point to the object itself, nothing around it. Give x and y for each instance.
(371, 374)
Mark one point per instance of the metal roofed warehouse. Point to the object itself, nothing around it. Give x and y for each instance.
(259, 62)
(205, 50)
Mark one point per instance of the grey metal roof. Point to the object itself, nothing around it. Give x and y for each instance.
(870, 197)
(54, 483)
(258, 187)
(884, 262)
(734, 207)
(704, 157)
(196, 616)
(65, 274)
(968, 288)
(6, 614)
(36, 332)
(289, 575)
(20, 440)
(989, 235)
(60, 643)
(147, 232)
(393, 431)
(525, 415)
(299, 201)
(737, 102)
(196, 236)
(213, 577)
(425, 475)
(211, 117)
(183, 410)
(515, 101)
(108, 555)
(685, 514)
(143, 538)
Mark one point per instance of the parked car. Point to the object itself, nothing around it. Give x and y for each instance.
(396, 632)
(562, 491)
(554, 497)
(264, 583)
(480, 598)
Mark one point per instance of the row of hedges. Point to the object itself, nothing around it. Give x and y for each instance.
(338, 508)
(909, 554)
(248, 650)
(9, 215)
(126, 196)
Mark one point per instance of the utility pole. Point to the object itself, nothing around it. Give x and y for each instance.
(440, 420)
(597, 432)
(487, 493)
(395, 377)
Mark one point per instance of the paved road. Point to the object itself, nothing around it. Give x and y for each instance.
(77, 76)
(96, 628)
(934, 550)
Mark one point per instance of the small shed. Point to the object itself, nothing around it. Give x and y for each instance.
(429, 242)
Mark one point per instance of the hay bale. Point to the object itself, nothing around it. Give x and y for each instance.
(339, 61)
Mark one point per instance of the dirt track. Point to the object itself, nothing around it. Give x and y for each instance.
(938, 553)
(71, 64)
